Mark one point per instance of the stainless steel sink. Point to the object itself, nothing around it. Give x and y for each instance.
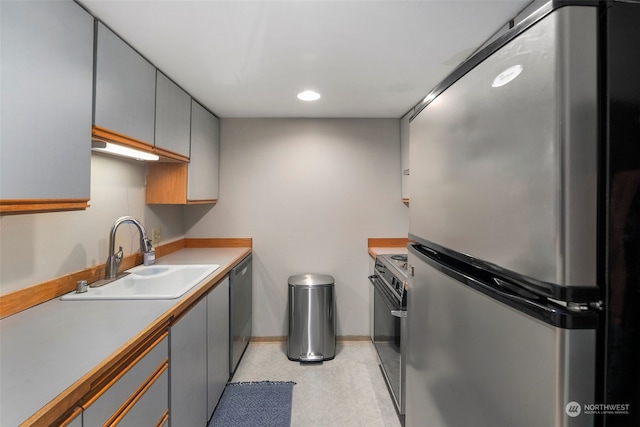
(149, 282)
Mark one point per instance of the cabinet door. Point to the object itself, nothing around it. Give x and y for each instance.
(125, 88)
(173, 116)
(188, 368)
(151, 407)
(217, 343)
(76, 422)
(73, 420)
(404, 155)
(205, 151)
(47, 81)
(99, 411)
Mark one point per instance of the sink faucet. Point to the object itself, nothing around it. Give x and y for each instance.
(114, 259)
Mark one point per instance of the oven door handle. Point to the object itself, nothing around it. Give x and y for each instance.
(392, 305)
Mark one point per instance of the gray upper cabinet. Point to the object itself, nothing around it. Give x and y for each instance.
(404, 154)
(47, 78)
(205, 153)
(197, 181)
(173, 117)
(125, 89)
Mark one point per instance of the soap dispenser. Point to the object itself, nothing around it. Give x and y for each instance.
(149, 256)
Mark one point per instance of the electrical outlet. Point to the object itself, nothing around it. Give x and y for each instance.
(155, 236)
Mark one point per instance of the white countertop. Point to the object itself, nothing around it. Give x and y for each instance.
(374, 251)
(47, 348)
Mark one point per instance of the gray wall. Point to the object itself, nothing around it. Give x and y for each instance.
(309, 193)
(38, 247)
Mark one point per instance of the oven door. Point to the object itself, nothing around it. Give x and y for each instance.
(389, 320)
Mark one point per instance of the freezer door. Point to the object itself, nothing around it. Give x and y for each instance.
(504, 161)
(473, 361)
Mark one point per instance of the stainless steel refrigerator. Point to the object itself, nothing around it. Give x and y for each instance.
(524, 288)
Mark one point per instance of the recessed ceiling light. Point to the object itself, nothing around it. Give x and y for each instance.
(308, 95)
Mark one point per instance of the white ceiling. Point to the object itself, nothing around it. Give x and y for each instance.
(250, 58)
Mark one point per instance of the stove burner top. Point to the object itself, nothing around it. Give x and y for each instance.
(392, 270)
(398, 261)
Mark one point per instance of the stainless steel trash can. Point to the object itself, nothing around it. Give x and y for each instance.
(312, 322)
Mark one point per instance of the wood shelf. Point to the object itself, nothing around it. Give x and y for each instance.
(167, 185)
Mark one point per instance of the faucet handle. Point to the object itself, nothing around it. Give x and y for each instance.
(118, 258)
(81, 286)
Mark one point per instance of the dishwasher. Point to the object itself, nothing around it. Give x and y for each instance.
(240, 308)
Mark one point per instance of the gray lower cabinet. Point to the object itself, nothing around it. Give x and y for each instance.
(47, 80)
(199, 363)
(188, 368)
(74, 421)
(202, 182)
(149, 410)
(77, 422)
(217, 343)
(173, 117)
(125, 88)
(139, 397)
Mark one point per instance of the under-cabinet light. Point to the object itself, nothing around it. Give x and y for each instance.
(120, 150)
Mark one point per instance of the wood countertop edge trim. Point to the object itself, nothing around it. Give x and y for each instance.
(217, 242)
(23, 299)
(385, 242)
(73, 396)
(23, 206)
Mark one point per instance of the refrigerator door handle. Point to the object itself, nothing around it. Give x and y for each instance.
(509, 293)
(515, 290)
(499, 289)
(399, 313)
(499, 286)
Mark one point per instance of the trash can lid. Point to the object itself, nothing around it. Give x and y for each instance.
(311, 280)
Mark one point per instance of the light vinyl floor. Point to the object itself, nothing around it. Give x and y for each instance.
(346, 391)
